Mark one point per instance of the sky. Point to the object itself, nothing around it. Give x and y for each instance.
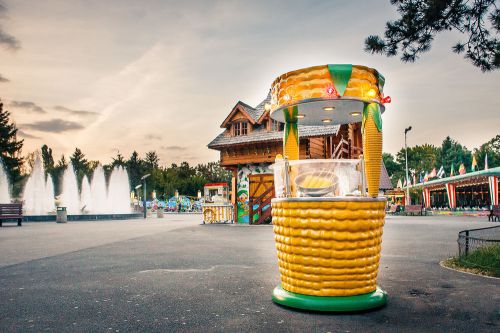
(119, 76)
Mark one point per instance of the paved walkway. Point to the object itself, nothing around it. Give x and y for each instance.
(176, 275)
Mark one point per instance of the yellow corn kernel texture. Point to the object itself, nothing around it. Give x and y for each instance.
(312, 82)
(328, 248)
(372, 150)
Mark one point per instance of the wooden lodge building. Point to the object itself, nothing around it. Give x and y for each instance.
(250, 142)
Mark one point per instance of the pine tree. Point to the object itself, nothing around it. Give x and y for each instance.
(10, 150)
(421, 20)
(80, 165)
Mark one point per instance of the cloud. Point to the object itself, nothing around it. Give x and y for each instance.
(3, 79)
(152, 137)
(54, 125)
(26, 105)
(76, 112)
(27, 135)
(173, 147)
(8, 41)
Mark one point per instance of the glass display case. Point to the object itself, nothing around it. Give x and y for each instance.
(319, 178)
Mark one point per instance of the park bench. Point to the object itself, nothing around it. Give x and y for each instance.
(413, 210)
(494, 213)
(11, 212)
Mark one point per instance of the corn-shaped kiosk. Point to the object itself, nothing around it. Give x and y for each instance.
(327, 214)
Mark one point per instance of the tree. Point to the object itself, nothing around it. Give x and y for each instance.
(490, 148)
(395, 170)
(29, 161)
(421, 159)
(80, 165)
(135, 169)
(454, 153)
(47, 159)
(421, 20)
(119, 160)
(10, 150)
(61, 165)
(390, 164)
(152, 160)
(213, 172)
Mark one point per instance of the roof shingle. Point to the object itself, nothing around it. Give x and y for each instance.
(260, 134)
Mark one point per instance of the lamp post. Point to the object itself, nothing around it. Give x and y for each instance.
(137, 192)
(406, 160)
(143, 178)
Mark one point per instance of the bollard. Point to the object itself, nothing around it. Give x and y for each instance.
(159, 213)
(62, 215)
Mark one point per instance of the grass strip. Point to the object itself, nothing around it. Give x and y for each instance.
(484, 261)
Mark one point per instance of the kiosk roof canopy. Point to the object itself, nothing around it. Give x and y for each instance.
(327, 94)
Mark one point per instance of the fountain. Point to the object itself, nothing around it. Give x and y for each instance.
(98, 192)
(70, 197)
(49, 194)
(118, 191)
(85, 196)
(95, 200)
(4, 185)
(38, 193)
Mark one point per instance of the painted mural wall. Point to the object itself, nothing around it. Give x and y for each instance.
(242, 190)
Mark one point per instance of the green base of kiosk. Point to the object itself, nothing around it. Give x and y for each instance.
(362, 302)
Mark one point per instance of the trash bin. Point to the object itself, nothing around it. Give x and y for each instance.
(159, 213)
(62, 215)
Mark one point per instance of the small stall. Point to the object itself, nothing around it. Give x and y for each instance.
(217, 207)
(327, 214)
(396, 200)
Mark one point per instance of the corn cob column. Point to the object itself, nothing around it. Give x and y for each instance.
(372, 146)
(291, 133)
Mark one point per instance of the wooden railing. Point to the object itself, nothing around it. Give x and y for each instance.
(263, 201)
(341, 149)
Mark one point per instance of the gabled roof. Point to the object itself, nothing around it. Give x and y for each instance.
(261, 108)
(244, 108)
(254, 114)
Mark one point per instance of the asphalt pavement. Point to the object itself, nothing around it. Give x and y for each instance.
(173, 274)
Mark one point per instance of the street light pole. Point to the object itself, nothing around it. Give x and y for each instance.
(143, 178)
(406, 160)
(137, 191)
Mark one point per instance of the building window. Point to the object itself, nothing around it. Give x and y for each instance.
(276, 126)
(240, 128)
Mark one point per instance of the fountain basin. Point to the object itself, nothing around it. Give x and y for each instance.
(83, 217)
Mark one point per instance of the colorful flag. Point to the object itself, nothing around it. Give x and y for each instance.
(461, 170)
(404, 184)
(474, 163)
(433, 173)
(421, 177)
(486, 162)
(452, 171)
(440, 173)
(426, 177)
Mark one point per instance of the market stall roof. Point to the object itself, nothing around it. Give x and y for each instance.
(459, 178)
